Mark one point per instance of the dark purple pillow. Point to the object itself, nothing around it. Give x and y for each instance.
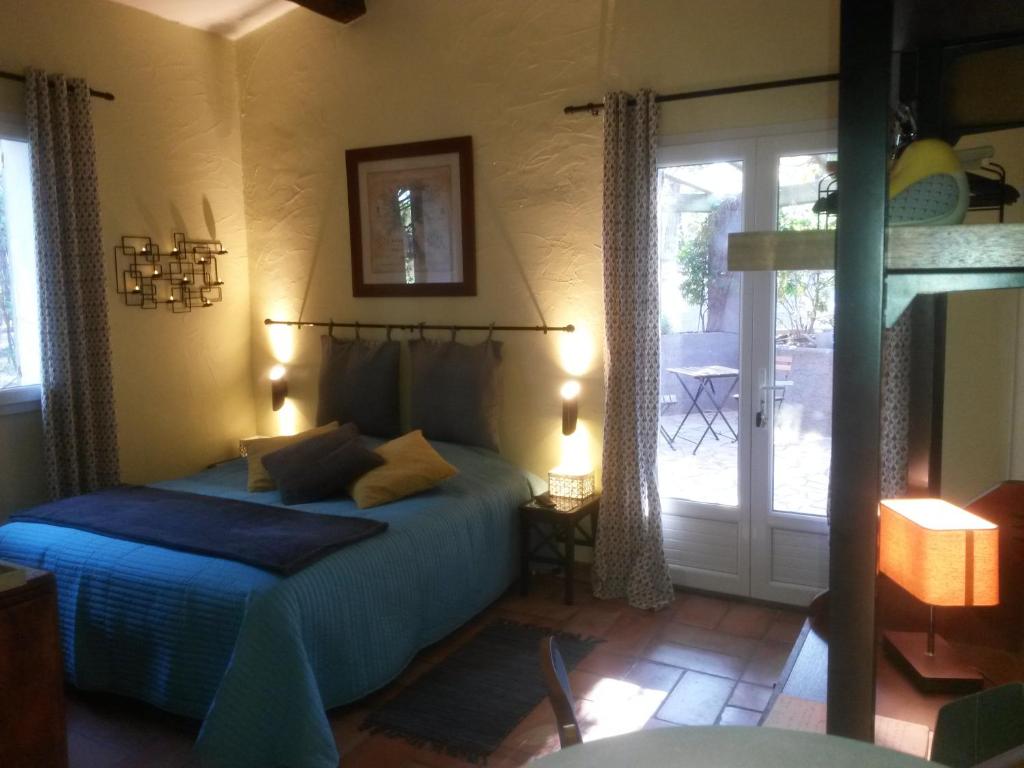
(320, 467)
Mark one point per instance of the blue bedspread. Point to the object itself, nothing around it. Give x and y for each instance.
(260, 657)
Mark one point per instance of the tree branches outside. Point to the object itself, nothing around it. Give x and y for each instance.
(10, 373)
(702, 260)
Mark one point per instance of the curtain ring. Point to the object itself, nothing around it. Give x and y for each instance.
(357, 330)
(490, 332)
(330, 328)
(422, 337)
(388, 332)
(455, 329)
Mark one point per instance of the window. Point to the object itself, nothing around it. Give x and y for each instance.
(19, 307)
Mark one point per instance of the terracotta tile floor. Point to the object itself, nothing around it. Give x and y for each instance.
(703, 660)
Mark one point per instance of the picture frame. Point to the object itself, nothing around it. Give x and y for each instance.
(411, 219)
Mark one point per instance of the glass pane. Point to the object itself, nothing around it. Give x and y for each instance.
(19, 319)
(805, 302)
(698, 206)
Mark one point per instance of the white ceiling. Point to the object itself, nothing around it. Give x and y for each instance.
(230, 18)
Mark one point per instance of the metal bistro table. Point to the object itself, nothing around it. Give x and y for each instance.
(706, 375)
(719, 746)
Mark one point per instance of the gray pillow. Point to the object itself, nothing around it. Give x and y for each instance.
(456, 393)
(359, 384)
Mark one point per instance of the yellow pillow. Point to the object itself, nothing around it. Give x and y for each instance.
(257, 447)
(411, 466)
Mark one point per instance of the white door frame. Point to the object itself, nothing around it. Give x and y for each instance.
(753, 523)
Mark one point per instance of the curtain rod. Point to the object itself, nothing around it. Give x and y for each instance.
(595, 108)
(21, 79)
(423, 326)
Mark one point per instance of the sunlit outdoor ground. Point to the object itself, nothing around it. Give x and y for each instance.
(802, 457)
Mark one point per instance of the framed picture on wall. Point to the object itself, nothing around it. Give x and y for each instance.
(411, 222)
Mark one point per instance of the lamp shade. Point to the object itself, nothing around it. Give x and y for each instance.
(940, 553)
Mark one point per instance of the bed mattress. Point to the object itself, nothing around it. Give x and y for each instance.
(257, 657)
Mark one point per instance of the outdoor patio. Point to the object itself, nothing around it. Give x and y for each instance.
(802, 443)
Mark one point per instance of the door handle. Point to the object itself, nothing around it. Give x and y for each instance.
(759, 418)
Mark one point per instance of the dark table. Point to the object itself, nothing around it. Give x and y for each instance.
(706, 376)
(559, 529)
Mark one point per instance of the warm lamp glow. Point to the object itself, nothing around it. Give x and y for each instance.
(282, 342)
(577, 351)
(277, 373)
(941, 554)
(287, 419)
(570, 390)
(575, 457)
(574, 476)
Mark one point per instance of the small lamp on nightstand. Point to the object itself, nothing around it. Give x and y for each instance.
(942, 555)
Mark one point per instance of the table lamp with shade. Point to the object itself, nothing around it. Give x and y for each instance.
(943, 555)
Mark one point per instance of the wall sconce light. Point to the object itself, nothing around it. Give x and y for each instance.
(185, 276)
(570, 406)
(278, 387)
(942, 555)
(573, 479)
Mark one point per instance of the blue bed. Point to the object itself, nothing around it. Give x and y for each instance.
(258, 657)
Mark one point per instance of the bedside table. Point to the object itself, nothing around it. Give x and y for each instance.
(32, 728)
(559, 525)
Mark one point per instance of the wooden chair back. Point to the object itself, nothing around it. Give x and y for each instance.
(559, 693)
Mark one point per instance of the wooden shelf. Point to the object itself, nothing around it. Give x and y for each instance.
(960, 248)
(965, 257)
(759, 251)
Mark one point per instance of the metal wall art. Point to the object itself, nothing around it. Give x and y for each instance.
(180, 279)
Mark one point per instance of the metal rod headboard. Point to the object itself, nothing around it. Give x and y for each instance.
(422, 326)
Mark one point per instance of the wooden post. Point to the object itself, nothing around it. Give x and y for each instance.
(864, 85)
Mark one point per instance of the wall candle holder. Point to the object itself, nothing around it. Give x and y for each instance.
(184, 277)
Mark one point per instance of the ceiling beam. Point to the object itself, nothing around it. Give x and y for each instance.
(339, 10)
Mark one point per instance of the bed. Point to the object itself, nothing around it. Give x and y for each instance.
(257, 657)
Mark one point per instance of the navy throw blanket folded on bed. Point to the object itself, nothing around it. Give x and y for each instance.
(279, 540)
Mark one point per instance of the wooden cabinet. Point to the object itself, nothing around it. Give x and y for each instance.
(32, 728)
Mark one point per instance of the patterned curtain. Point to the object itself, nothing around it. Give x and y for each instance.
(629, 560)
(79, 427)
(895, 408)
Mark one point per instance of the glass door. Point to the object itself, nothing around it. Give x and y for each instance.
(792, 356)
(746, 387)
(703, 195)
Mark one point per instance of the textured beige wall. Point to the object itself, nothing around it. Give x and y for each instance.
(501, 72)
(983, 428)
(169, 157)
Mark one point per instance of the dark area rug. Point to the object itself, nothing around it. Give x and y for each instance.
(472, 700)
